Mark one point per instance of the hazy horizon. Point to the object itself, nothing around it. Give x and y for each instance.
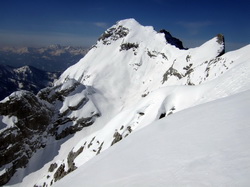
(78, 23)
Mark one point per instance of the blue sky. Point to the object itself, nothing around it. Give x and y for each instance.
(75, 22)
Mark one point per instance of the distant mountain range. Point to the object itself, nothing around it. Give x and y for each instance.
(24, 78)
(51, 58)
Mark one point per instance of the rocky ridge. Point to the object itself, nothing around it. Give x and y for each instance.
(33, 120)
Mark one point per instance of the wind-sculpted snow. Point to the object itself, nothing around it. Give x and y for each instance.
(131, 78)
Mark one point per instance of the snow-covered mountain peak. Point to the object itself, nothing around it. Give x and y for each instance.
(137, 55)
(129, 30)
(130, 79)
(130, 22)
(129, 57)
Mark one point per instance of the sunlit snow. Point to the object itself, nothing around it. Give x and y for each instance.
(132, 89)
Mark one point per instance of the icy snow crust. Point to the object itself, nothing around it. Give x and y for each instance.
(133, 78)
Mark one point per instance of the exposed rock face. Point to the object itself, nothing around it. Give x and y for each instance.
(60, 173)
(117, 138)
(34, 120)
(32, 113)
(113, 34)
(32, 117)
(221, 41)
(127, 46)
(52, 167)
(171, 72)
(172, 40)
(71, 157)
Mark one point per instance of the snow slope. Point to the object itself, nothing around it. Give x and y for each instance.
(130, 60)
(131, 78)
(207, 145)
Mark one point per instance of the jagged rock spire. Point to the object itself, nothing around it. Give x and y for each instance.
(172, 40)
(221, 41)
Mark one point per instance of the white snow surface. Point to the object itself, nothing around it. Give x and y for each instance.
(121, 77)
(7, 122)
(128, 89)
(207, 145)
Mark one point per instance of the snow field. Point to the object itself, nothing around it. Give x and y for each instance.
(207, 145)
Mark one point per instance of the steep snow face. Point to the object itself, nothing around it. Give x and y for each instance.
(207, 145)
(160, 103)
(131, 54)
(130, 57)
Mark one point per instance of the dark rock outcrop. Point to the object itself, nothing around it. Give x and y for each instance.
(60, 172)
(113, 34)
(35, 119)
(117, 137)
(172, 40)
(127, 46)
(32, 113)
(171, 72)
(52, 167)
(19, 142)
(221, 41)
